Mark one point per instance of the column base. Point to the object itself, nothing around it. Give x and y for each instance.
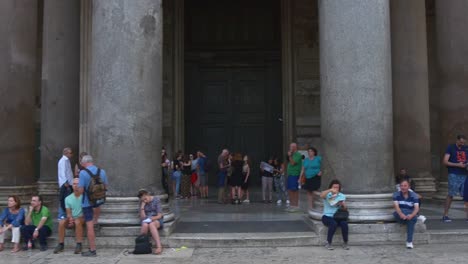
(123, 212)
(24, 192)
(442, 191)
(425, 186)
(49, 191)
(363, 208)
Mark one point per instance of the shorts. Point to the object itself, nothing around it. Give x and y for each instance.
(292, 183)
(221, 178)
(456, 184)
(88, 213)
(202, 179)
(312, 184)
(465, 191)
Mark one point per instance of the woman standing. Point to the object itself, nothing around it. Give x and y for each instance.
(267, 182)
(12, 218)
(78, 166)
(311, 171)
(151, 216)
(245, 177)
(333, 199)
(278, 178)
(186, 175)
(236, 178)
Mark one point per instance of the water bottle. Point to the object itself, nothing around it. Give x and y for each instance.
(29, 248)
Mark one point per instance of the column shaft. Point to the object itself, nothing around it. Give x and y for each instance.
(412, 139)
(125, 96)
(60, 84)
(356, 94)
(18, 82)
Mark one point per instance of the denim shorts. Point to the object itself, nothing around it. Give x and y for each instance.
(88, 213)
(293, 185)
(456, 184)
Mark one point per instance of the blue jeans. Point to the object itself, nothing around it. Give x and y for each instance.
(332, 224)
(177, 176)
(410, 223)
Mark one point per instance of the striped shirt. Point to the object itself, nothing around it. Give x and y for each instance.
(406, 205)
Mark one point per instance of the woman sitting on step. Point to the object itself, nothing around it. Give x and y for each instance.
(151, 217)
(12, 218)
(333, 199)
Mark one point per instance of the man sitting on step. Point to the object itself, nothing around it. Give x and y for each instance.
(74, 219)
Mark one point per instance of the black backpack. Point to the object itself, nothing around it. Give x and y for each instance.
(142, 245)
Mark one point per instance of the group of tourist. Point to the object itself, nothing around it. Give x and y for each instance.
(76, 208)
(187, 174)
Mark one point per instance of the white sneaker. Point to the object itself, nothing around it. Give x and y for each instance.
(422, 218)
(278, 202)
(287, 202)
(246, 201)
(409, 245)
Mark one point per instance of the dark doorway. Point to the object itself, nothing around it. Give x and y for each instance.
(233, 79)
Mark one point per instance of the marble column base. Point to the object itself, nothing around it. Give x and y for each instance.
(425, 186)
(362, 207)
(124, 212)
(24, 192)
(442, 191)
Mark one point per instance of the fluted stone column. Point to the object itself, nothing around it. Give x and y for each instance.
(452, 55)
(356, 106)
(412, 139)
(18, 82)
(60, 88)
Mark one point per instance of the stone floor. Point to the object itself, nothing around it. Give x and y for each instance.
(421, 254)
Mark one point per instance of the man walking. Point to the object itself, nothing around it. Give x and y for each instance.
(38, 224)
(74, 219)
(65, 180)
(223, 167)
(88, 207)
(455, 159)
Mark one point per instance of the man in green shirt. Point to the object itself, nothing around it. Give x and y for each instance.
(38, 224)
(294, 170)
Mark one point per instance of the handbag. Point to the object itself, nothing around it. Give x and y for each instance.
(341, 214)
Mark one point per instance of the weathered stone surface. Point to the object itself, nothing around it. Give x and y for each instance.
(126, 93)
(411, 90)
(452, 54)
(60, 84)
(18, 83)
(356, 94)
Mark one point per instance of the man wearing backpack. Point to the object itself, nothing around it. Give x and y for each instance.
(90, 179)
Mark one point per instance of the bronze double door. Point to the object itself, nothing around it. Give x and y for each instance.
(234, 107)
(233, 79)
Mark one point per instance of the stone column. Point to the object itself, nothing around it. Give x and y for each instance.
(452, 55)
(60, 88)
(124, 118)
(356, 106)
(125, 95)
(18, 82)
(412, 139)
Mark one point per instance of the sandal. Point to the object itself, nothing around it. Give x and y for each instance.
(14, 250)
(158, 251)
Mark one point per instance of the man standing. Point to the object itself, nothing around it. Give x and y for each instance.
(38, 224)
(88, 207)
(65, 180)
(74, 219)
(455, 160)
(222, 173)
(294, 170)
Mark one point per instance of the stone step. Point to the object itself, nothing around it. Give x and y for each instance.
(448, 236)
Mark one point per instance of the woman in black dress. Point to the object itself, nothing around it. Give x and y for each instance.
(236, 178)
